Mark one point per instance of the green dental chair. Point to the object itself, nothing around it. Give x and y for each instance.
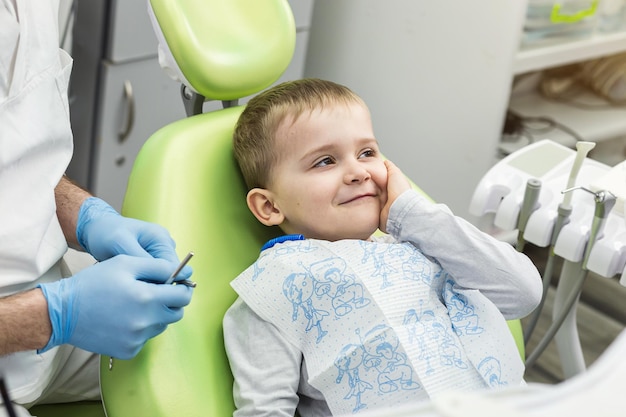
(186, 179)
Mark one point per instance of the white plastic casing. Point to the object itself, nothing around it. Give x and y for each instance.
(501, 192)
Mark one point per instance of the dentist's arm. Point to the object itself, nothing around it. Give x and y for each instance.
(24, 322)
(114, 306)
(111, 308)
(69, 197)
(107, 308)
(94, 225)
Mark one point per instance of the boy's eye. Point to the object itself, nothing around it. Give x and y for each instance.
(324, 162)
(368, 153)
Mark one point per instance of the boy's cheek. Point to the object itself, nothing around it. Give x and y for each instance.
(382, 177)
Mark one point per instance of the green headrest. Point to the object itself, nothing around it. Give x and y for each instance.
(224, 49)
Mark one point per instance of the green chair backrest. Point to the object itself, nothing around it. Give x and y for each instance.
(186, 179)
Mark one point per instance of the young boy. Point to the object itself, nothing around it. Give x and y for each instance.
(331, 320)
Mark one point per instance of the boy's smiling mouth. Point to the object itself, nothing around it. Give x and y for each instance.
(359, 197)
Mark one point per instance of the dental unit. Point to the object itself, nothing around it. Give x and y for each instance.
(542, 192)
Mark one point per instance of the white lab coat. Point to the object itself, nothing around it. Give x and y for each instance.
(35, 140)
(35, 149)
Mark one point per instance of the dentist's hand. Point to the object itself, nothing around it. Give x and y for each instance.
(104, 233)
(397, 183)
(110, 309)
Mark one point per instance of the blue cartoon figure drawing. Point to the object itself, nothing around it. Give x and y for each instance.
(376, 252)
(332, 281)
(449, 352)
(420, 331)
(298, 288)
(394, 372)
(491, 371)
(418, 268)
(348, 362)
(462, 315)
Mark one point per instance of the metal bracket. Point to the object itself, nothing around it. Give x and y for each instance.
(192, 101)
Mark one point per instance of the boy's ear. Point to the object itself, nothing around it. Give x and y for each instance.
(261, 204)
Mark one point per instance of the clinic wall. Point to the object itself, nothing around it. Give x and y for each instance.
(436, 76)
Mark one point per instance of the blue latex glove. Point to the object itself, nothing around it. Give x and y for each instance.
(104, 233)
(109, 308)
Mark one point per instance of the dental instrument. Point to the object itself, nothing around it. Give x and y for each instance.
(582, 149)
(604, 202)
(169, 281)
(6, 400)
(182, 264)
(563, 212)
(529, 204)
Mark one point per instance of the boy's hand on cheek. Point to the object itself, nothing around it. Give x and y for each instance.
(397, 183)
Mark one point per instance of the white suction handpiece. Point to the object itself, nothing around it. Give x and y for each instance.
(582, 149)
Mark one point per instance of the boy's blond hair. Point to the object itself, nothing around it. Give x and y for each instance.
(255, 130)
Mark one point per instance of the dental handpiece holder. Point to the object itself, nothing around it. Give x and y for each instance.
(604, 202)
(583, 223)
(500, 195)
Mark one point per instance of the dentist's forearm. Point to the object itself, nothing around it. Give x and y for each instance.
(24, 322)
(69, 197)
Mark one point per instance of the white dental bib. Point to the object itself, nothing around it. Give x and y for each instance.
(379, 323)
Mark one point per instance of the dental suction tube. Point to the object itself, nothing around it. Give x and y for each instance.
(563, 213)
(529, 204)
(604, 202)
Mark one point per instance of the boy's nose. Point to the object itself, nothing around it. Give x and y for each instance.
(356, 174)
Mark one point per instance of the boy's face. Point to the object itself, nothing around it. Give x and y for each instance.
(330, 182)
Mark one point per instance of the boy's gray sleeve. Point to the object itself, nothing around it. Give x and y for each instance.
(266, 367)
(473, 258)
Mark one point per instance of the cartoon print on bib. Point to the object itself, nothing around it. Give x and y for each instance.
(377, 322)
(464, 318)
(298, 288)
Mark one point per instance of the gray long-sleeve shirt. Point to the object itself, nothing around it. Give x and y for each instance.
(271, 374)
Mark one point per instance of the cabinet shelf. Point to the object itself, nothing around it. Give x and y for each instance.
(598, 125)
(546, 56)
(605, 127)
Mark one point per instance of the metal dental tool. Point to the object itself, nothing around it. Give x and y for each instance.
(169, 281)
(6, 400)
(182, 264)
(564, 211)
(604, 202)
(529, 204)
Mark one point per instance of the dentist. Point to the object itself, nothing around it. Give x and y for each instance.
(54, 321)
